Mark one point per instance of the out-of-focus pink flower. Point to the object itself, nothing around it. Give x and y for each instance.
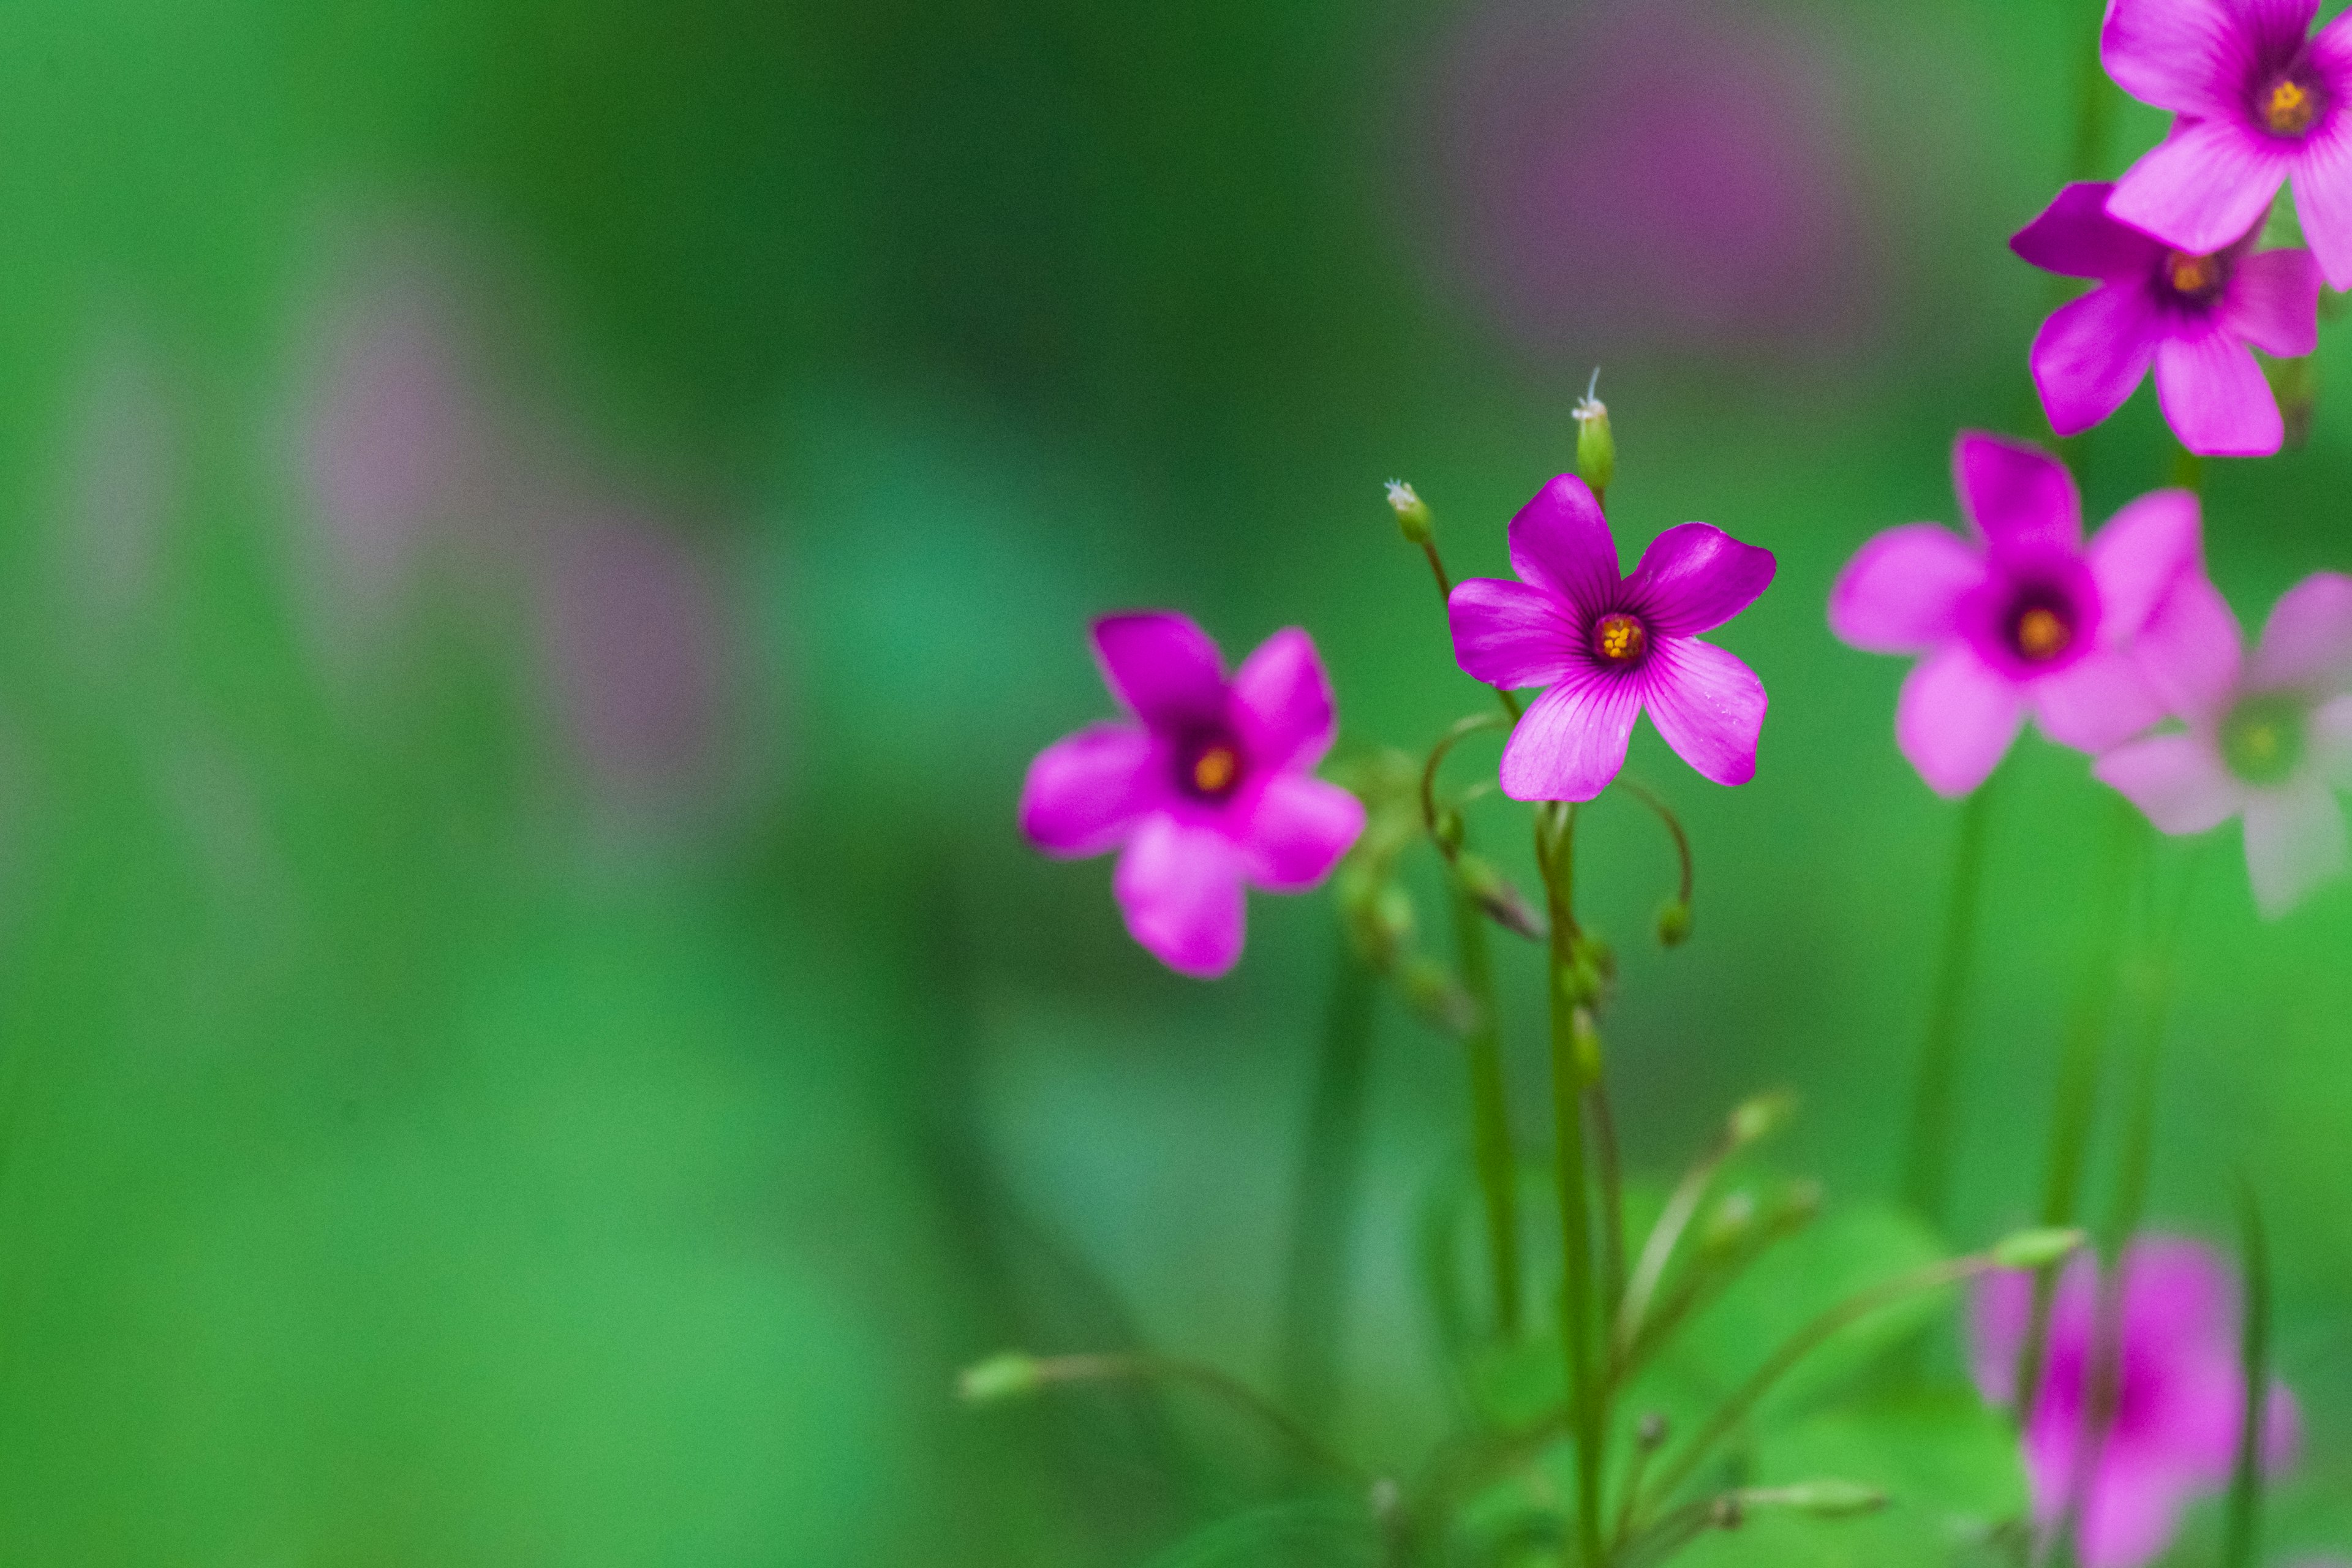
(1214, 787)
(2018, 616)
(2179, 1399)
(1666, 171)
(2268, 739)
(1609, 646)
(2191, 316)
(2261, 102)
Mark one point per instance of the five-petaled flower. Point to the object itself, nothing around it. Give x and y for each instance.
(1610, 645)
(1213, 787)
(2019, 616)
(2190, 315)
(2261, 100)
(2267, 738)
(2178, 1395)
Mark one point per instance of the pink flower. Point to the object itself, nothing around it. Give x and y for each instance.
(2191, 316)
(2016, 617)
(1609, 646)
(2260, 102)
(1215, 788)
(2267, 738)
(2179, 1397)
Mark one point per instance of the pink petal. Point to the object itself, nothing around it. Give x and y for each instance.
(2137, 557)
(2203, 186)
(2188, 56)
(1709, 708)
(1297, 830)
(1901, 591)
(2180, 1299)
(2274, 303)
(2190, 649)
(2132, 1511)
(1694, 577)
(2215, 396)
(2091, 354)
(2178, 782)
(1560, 542)
(1281, 703)
(2323, 177)
(1570, 742)
(2307, 641)
(2014, 493)
(1956, 719)
(1997, 1314)
(2294, 842)
(1086, 792)
(2327, 740)
(2074, 236)
(1160, 666)
(1179, 885)
(1510, 635)
(2099, 701)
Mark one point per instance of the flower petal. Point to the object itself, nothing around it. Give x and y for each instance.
(1902, 590)
(1180, 886)
(2190, 650)
(2188, 56)
(2215, 396)
(2014, 493)
(2323, 175)
(2307, 641)
(2133, 1510)
(1708, 706)
(1694, 577)
(1161, 666)
(1086, 792)
(2327, 740)
(1281, 703)
(1297, 830)
(2177, 781)
(2294, 842)
(2273, 303)
(1571, 740)
(1560, 542)
(2099, 701)
(2203, 186)
(1956, 719)
(1511, 635)
(2074, 236)
(2091, 354)
(2139, 554)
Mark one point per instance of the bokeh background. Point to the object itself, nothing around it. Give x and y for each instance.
(539, 535)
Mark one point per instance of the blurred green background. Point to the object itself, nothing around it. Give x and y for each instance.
(541, 534)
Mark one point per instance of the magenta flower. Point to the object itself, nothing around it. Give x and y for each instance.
(2016, 617)
(1215, 788)
(2268, 739)
(1610, 645)
(2179, 1397)
(2260, 102)
(2191, 316)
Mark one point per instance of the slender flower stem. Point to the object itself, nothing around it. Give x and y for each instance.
(1219, 1384)
(1490, 1118)
(1609, 1171)
(2242, 1535)
(1570, 1022)
(1445, 599)
(1314, 1294)
(1928, 1161)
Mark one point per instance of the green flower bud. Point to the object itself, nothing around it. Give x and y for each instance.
(1412, 512)
(2035, 1248)
(1013, 1374)
(1757, 1120)
(1596, 447)
(1495, 894)
(1674, 924)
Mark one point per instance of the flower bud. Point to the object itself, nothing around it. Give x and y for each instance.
(1586, 1037)
(1756, 1119)
(1502, 902)
(1730, 1222)
(1674, 924)
(2035, 1248)
(1013, 1374)
(1412, 512)
(1596, 447)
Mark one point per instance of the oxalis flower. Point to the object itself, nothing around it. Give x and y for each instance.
(2191, 316)
(2018, 616)
(2261, 100)
(2180, 1395)
(2268, 739)
(1213, 785)
(1610, 645)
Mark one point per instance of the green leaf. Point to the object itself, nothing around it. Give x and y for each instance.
(1313, 1532)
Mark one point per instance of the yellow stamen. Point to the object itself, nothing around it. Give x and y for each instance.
(2041, 633)
(2193, 273)
(1214, 769)
(2289, 111)
(1621, 638)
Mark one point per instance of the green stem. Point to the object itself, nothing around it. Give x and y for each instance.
(1221, 1386)
(1315, 1291)
(2094, 101)
(2243, 1532)
(1609, 1171)
(1927, 1163)
(1490, 1117)
(1556, 853)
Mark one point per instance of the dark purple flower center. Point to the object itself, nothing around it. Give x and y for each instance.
(2040, 625)
(2193, 280)
(1621, 639)
(1208, 765)
(2288, 103)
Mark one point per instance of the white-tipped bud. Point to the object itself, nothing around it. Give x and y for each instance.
(1596, 444)
(1412, 513)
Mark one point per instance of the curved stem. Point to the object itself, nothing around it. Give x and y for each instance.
(1113, 1367)
(1673, 826)
(1458, 732)
(1445, 599)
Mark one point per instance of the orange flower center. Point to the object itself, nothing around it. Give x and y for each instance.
(2041, 633)
(2289, 108)
(1214, 770)
(1619, 638)
(2193, 274)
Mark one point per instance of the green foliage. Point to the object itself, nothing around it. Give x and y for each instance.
(1313, 1532)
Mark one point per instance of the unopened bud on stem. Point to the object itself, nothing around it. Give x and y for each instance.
(1596, 447)
(1413, 513)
